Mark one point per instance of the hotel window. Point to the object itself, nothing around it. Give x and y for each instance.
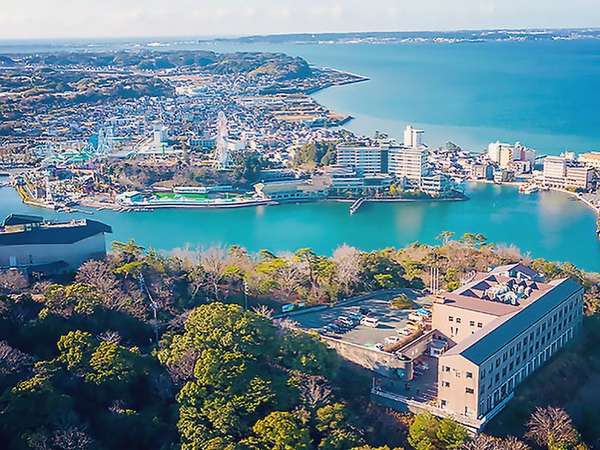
(469, 391)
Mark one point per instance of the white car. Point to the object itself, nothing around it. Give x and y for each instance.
(369, 322)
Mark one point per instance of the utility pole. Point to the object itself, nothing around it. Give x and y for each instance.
(245, 294)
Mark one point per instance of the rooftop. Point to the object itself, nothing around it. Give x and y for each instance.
(503, 290)
(481, 345)
(34, 230)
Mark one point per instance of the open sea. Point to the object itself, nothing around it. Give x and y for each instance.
(545, 94)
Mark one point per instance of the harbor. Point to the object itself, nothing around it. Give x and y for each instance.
(541, 225)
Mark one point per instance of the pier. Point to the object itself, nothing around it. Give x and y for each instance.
(356, 205)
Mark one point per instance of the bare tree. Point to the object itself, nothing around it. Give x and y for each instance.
(512, 443)
(348, 267)
(551, 426)
(481, 442)
(12, 282)
(264, 311)
(72, 438)
(14, 361)
(100, 276)
(110, 336)
(314, 391)
(289, 278)
(486, 442)
(214, 262)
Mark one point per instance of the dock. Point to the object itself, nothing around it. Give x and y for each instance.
(356, 205)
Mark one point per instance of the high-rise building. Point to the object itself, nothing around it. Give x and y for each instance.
(413, 138)
(366, 160)
(408, 163)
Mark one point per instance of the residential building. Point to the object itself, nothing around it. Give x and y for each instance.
(37, 245)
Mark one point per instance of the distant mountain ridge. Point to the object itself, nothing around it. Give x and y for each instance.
(420, 36)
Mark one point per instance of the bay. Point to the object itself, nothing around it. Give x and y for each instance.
(548, 224)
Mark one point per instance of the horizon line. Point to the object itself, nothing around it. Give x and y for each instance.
(300, 33)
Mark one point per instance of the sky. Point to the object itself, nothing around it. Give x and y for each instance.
(24, 19)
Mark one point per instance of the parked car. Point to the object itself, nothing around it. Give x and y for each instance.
(391, 340)
(346, 321)
(370, 322)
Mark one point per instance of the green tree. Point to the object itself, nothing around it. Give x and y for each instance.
(337, 432)
(430, 433)
(281, 431)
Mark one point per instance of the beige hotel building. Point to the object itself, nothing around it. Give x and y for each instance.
(501, 326)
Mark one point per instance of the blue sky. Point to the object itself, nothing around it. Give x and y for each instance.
(105, 18)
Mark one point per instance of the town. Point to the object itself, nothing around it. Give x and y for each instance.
(446, 334)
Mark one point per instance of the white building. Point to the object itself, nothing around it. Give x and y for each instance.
(506, 154)
(36, 245)
(160, 135)
(366, 160)
(563, 173)
(409, 164)
(413, 138)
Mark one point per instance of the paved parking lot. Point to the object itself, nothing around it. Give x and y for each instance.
(390, 319)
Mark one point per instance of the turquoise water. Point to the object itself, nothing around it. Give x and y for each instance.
(548, 224)
(544, 93)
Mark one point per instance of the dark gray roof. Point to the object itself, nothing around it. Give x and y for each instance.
(67, 233)
(22, 219)
(480, 346)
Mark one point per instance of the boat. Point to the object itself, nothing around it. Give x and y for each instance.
(528, 189)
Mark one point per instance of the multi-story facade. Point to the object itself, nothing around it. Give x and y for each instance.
(409, 164)
(485, 338)
(506, 155)
(437, 185)
(563, 173)
(366, 160)
(506, 324)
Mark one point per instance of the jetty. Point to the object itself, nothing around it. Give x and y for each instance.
(356, 205)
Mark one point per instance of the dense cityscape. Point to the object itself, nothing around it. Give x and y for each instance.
(463, 345)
